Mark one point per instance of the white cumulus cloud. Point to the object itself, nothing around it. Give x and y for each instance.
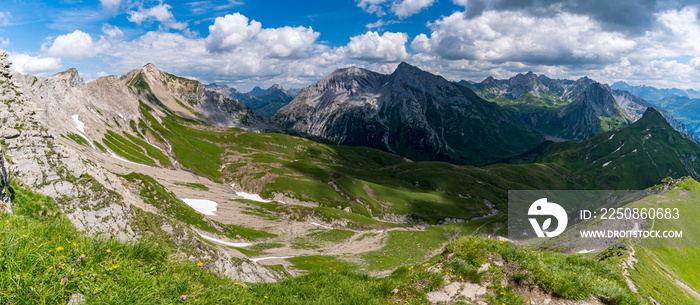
(236, 32)
(230, 31)
(513, 36)
(75, 45)
(24, 63)
(370, 46)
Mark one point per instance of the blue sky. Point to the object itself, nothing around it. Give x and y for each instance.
(295, 43)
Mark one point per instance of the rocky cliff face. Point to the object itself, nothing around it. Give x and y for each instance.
(410, 112)
(635, 107)
(192, 100)
(593, 111)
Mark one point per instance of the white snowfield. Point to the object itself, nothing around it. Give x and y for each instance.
(204, 206)
(586, 251)
(249, 196)
(239, 245)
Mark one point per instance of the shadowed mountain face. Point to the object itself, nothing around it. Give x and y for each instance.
(264, 102)
(565, 109)
(410, 112)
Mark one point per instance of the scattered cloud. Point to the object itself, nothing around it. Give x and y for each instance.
(160, 13)
(372, 6)
(111, 31)
(406, 8)
(400, 8)
(24, 63)
(380, 24)
(207, 6)
(500, 39)
(5, 18)
(111, 5)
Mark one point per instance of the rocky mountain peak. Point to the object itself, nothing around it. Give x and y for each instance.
(257, 91)
(153, 71)
(276, 88)
(405, 68)
(72, 76)
(489, 80)
(349, 71)
(653, 116)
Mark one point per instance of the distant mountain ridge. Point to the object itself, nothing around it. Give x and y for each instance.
(566, 109)
(410, 112)
(653, 94)
(264, 101)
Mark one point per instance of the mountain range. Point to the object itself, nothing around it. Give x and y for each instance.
(410, 112)
(265, 102)
(566, 109)
(134, 164)
(653, 94)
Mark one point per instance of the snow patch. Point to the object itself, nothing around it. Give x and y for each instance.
(81, 129)
(249, 196)
(610, 138)
(634, 151)
(618, 149)
(81, 125)
(204, 206)
(239, 245)
(158, 148)
(95, 112)
(606, 163)
(320, 225)
(120, 158)
(586, 251)
(255, 260)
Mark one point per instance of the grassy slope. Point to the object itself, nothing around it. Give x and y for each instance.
(41, 263)
(655, 262)
(158, 196)
(366, 181)
(634, 157)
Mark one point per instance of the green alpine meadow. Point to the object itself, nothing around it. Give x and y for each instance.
(350, 152)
